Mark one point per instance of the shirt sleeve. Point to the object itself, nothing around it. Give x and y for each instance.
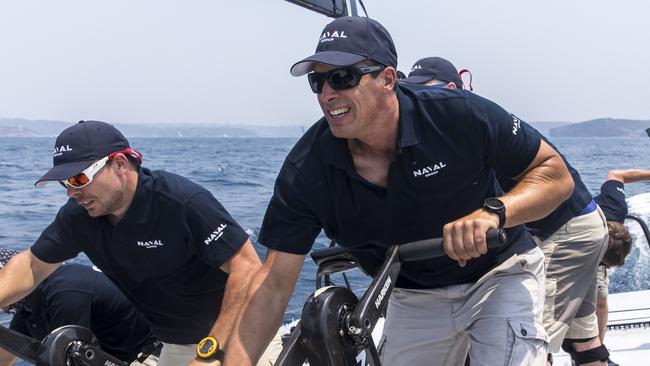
(612, 200)
(57, 242)
(289, 224)
(509, 146)
(214, 233)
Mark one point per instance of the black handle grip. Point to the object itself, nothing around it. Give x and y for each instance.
(431, 248)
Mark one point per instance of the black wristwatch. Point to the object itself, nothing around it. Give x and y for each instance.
(208, 350)
(496, 206)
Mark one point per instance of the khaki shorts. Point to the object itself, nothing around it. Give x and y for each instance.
(572, 255)
(498, 320)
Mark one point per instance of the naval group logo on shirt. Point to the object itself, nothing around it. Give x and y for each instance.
(429, 170)
(59, 150)
(620, 190)
(215, 235)
(516, 124)
(150, 244)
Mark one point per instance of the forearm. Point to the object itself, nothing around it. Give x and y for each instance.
(21, 275)
(234, 296)
(539, 191)
(629, 175)
(258, 320)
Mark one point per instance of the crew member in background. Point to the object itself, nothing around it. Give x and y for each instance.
(79, 295)
(612, 201)
(573, 238)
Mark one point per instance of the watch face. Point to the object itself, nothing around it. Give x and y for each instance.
(207, 347)
(494, 204)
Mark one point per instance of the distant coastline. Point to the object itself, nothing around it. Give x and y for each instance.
(603, 127)
(17, 127)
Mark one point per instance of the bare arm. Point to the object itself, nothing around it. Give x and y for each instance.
(21, 275)
(262, 313)
(629, 175)
(542, 187)
(241, 268)
(6, 358)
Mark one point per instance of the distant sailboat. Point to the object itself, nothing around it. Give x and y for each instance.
(179, 133)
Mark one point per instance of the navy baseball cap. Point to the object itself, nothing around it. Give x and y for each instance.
(350, 40)
(431, 68)
(78, 146)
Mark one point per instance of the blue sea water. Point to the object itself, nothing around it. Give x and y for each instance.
(241, 172)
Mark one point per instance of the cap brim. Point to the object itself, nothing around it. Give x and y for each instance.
(334, 58)
(62, 171)
(417, 79)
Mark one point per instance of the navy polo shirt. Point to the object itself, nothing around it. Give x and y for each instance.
(568, 209)
(450, 144)
(164, 254)
(612, 200)
(78, 295)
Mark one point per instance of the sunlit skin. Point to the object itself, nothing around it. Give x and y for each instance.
(368, 115)
(111, 191)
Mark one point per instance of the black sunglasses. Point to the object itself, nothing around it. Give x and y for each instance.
(340, 79)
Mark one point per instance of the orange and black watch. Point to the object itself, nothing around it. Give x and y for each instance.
(208, 350)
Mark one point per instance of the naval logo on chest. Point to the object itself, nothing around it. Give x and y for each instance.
(150, 244)
(429, 170)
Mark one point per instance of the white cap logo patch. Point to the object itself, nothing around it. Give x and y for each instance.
(59, 150)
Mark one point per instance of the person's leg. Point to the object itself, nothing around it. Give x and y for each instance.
(503, 314)
(602, 309)
(572, 253)
(176, 354)
(574, 265)
(420, 329)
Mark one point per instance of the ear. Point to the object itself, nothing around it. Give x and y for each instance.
(450, 85)
(120, 163)
(389, 77)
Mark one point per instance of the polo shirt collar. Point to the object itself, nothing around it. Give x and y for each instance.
(334, 150)
(408, 133)
(140, 208)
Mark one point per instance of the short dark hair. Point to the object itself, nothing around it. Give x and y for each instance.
(619, 246)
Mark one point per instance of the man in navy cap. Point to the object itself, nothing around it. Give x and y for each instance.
(165, 241)
(573, 238)
(80, 295)
(390, 163)
(435, 71)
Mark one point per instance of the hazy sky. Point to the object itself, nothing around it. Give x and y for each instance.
(215, 61)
